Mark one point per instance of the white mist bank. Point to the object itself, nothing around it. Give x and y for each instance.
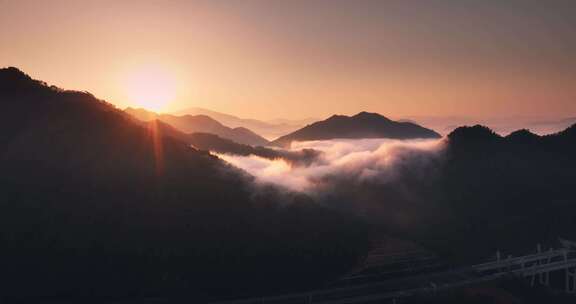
(360, 160)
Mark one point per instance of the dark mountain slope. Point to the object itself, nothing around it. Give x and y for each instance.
(94, 205)
(361, 125)
(507, 192)
(201, 123)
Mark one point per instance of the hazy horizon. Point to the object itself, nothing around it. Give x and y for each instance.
(300, 59)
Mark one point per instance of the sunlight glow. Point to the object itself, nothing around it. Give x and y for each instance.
(151, 87)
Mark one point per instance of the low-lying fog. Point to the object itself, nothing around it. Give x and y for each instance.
(373, 161)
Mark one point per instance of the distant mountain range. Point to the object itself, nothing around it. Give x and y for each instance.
(361, 125)
(551, 126)
(202, 123)
(501, 125)
(269, 129)
(214, 143)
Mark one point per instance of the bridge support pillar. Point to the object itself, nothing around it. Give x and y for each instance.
(544, 278)
(570, 280)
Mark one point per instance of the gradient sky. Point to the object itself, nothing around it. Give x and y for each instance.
(295, 59)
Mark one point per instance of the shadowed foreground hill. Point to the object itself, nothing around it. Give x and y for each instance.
(361, 125)
(203, 124)
(94, 205)
(508, 192)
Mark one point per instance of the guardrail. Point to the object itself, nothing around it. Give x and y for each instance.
(537, 266)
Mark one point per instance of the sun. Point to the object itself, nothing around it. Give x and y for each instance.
(150, 87)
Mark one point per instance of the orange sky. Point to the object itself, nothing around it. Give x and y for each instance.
(296, 59)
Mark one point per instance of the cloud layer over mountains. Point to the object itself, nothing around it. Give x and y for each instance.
(357, 161)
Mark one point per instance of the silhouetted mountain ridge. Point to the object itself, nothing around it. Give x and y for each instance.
(479, 135)
(361, 125)
(523, 136)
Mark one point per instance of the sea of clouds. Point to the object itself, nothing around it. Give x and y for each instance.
(356, 161)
